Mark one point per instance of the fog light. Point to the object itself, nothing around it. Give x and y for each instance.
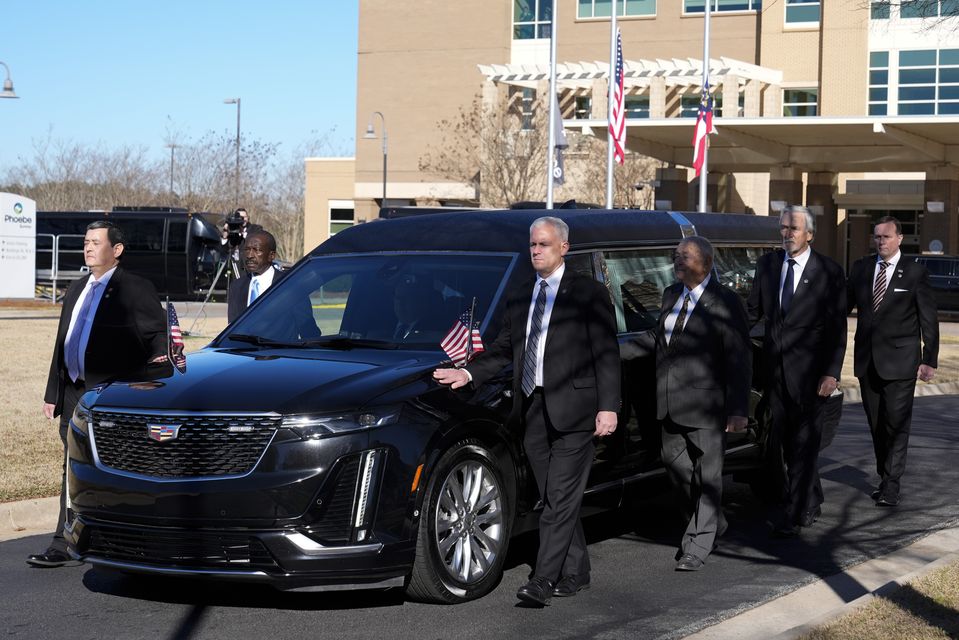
(367, 490)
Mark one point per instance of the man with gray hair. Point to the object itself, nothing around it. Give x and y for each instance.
(559, 332)
(800, 296)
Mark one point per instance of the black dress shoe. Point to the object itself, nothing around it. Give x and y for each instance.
(887, 501)
(52, 558)
(875, 495)
(689, 562)
(809, 517)
(571, 585)
(537, 591)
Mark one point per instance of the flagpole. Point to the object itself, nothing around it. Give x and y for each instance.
(469, 327)
(609, 107)
(704, 172)
(552, 113)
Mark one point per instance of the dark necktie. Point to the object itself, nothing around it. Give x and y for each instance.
(680, 320)
(532, 342)
(789, 287)
(879, 289)
(72, 348)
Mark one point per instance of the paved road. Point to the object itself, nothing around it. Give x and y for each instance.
(636, 593)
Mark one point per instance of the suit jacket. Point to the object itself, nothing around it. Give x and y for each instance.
(904, 331)
(581, 366)
(703, 375)
(810, 340)
(128, 330)
(238, 295)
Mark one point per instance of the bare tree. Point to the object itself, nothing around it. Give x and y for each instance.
(499, 148)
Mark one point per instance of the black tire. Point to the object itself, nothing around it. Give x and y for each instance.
(461, 546)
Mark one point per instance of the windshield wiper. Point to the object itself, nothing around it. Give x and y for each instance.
(260, 341)
(345, 343)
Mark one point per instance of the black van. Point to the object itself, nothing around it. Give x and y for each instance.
(309, 447)
(178, 251)
(944, 279)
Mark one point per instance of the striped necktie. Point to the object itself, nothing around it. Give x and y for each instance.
(532, 342)
(879, 289)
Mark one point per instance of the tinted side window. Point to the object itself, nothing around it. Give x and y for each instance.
(142, 235)
(736, 267)
(176, 236)
(636, 279)
(939, 267)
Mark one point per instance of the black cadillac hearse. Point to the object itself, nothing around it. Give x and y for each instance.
(308, 447)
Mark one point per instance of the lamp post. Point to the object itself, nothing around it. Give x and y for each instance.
(7, 84)
(236, 178)
(172, 147)
(371, 135)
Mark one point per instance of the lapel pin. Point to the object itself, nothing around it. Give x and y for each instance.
(805, 281)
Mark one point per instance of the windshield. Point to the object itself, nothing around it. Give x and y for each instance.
(382, 301)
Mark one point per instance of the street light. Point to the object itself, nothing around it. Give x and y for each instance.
(371, 135)
(7, 84)
(172, 147)
(236, 178)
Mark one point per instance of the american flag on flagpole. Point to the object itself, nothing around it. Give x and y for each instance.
(617, 122)
(175, 343)
(704, 127)
(463, 340)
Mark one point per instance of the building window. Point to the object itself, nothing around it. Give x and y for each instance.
(878, 83)
(721, 6)
(928, 8)
(636, 106)
(800, 102)
(929, 82)
(879, 10)
(584, 108)
(521, 101)
(603, 8)
(341, 218)
(802, 11)
(531, 19)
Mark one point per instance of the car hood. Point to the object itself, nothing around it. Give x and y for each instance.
(285, 381)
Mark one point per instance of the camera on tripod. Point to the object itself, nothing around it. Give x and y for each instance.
(234, 226)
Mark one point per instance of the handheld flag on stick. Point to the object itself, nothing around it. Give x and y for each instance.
(175, 342)
(463, 341)
(704, 127)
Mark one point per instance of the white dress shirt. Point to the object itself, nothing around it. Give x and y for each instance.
(263, 281)
(552, 289)
(694, 296)
(798, 268)
(892, 262)
(104, 280)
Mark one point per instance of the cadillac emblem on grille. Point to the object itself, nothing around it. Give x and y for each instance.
(163, 432)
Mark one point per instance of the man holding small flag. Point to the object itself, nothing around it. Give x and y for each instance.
(559, 333)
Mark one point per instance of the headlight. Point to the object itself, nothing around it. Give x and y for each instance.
(312, 427)
(81, 419)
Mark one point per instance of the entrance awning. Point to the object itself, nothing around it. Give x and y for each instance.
(810, 143)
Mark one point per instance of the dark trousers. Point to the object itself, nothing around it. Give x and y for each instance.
(71, 395)
(798, 423)
(561, 461)
(888, 406)
(694, 461)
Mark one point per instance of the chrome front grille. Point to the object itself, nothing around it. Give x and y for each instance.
(204, 445)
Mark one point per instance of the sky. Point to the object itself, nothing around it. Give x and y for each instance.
(125, 73)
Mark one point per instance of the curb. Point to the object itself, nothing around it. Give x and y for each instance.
(28, 517)
(852, 394)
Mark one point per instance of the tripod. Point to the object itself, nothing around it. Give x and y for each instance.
(233, 273)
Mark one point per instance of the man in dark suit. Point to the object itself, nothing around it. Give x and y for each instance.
(801, 297)
(111, 324)
(259, 251)
(703, 375)
(559, 332)
(897, 340)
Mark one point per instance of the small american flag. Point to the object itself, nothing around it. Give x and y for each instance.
(176, 339)
(704, 127)
(463, 341)
(617, 122)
